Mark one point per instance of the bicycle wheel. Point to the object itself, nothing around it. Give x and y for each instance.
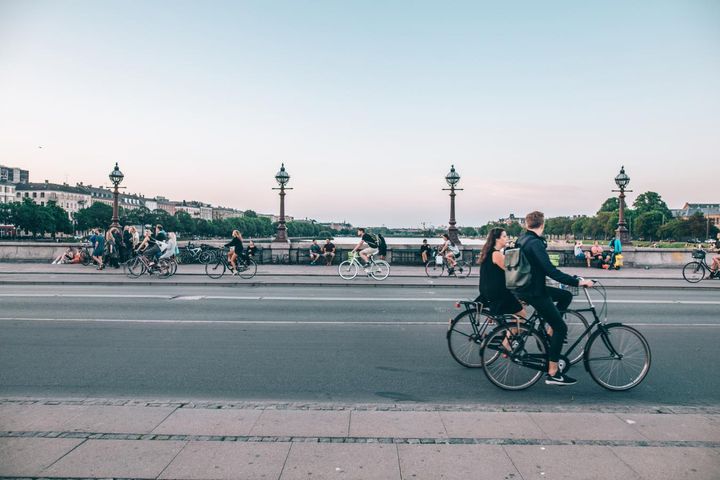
(348, 270)
(205, 257)
(617, 357)
(164, 268)
(518, 367)
(380, 270)
(215, 270)
(465, 335)
(693, 272)
(134, 267)
(462, 269)
(86, 258)
(248, 269)
(433, 270)
(576, 325)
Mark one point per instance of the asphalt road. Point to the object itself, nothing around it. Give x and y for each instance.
(313, 344)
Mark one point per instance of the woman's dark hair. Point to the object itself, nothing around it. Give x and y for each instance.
(494, 234)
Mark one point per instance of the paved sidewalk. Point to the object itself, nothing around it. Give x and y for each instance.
(137, 439)
(291, 275)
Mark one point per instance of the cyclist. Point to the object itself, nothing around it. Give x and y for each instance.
(449, 250)
(493, 291)
(236, 248)
(372, 246)
(542, 297)
(715, 266)
(151, 247)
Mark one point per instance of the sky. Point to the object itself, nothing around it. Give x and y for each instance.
(367, 103)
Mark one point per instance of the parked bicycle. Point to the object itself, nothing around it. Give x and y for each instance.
(86, 254)
(514, 356)
(469, 328)
(438, 264)
(139, 265)
(696, 270)
(377, 269)
(189, 254)
(246, 267)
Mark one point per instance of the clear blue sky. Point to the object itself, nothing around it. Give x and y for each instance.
(368, 103)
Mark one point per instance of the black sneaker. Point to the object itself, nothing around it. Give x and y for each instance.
(559, 379)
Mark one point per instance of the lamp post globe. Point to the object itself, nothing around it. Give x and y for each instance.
(622, 180)
(116, 177)
(282, 177)
(452, 179)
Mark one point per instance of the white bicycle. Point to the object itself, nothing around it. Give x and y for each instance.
(377, 269)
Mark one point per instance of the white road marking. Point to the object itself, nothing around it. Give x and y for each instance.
(292, 322)
(327, 299)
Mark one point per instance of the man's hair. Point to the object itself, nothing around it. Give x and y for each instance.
(534, 219)
(360, 229)
(159, 226)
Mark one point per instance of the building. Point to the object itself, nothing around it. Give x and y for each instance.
(66, 196)
(14, 175)
(336, 226)
(512, 219)
(162, 203)
(711, 211)
(222, 213)
(7, 192)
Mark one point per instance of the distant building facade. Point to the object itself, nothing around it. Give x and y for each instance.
(14, 175)
(7, 192)
(711, 211)
(71, 198)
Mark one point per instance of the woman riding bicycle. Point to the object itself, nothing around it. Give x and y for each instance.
(449, 250)
(493, 291)
(236, 248)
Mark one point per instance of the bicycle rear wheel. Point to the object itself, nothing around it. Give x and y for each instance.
(462, 269)
(248, 270)
(380, 269)
(348, 270)
(617, 357)
(519, 366)
(693, 272)
(433, 270)
(215, 270)
(465, 336)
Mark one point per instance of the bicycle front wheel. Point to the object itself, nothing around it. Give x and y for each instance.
(134, 267)
(617, 357)
(465, 336)
(577, 325)
(380, 270)
(433, 270)
(462, 269)
(693, 272)
(215, 270)
(248, 270)
(514, 357)
(348, 270)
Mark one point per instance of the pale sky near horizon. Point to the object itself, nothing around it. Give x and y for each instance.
(368, 103)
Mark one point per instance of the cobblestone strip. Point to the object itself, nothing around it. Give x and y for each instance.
(376, 407)
(386, 440)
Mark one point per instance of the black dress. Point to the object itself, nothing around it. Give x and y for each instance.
(500, 300)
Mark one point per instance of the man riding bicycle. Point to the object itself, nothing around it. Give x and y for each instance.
(372, 246)
(544, 298)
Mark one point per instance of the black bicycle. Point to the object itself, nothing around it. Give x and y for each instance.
(470, 327)
(696, 270)
(246, 267)
(515, 355)
(439, 264)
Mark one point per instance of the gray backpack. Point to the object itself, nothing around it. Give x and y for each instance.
(518, 272)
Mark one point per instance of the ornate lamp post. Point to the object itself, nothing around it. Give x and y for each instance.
(116, 176)
(282, 178)
(452, 179)
(622, 181)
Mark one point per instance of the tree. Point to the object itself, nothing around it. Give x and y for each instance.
(61, 221)
(612, 204)
(651, 202)
(468, 232)
(647, 224)
(250, 214)
(97, 215)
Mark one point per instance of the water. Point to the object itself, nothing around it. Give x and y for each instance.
(474, 242)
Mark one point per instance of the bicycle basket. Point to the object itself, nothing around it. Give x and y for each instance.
(575, 291)
(698, 254)
(352, 255)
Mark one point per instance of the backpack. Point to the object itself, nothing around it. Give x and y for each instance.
(382, 246)
(518, 272)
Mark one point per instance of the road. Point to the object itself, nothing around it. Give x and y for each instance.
(350, 345)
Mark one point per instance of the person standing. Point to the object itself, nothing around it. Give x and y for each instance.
(544, 298)
(99, 249)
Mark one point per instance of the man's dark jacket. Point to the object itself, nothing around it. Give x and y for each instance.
(535, 249)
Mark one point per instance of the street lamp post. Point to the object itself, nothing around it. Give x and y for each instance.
(282, 178)
(622, 181)
(452, 179)
(116, 176)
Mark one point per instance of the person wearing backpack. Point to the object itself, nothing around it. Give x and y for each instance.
(372, 246)
(616, 246)
(533, 247)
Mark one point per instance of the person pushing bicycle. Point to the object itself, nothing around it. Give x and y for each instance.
(544, 298)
